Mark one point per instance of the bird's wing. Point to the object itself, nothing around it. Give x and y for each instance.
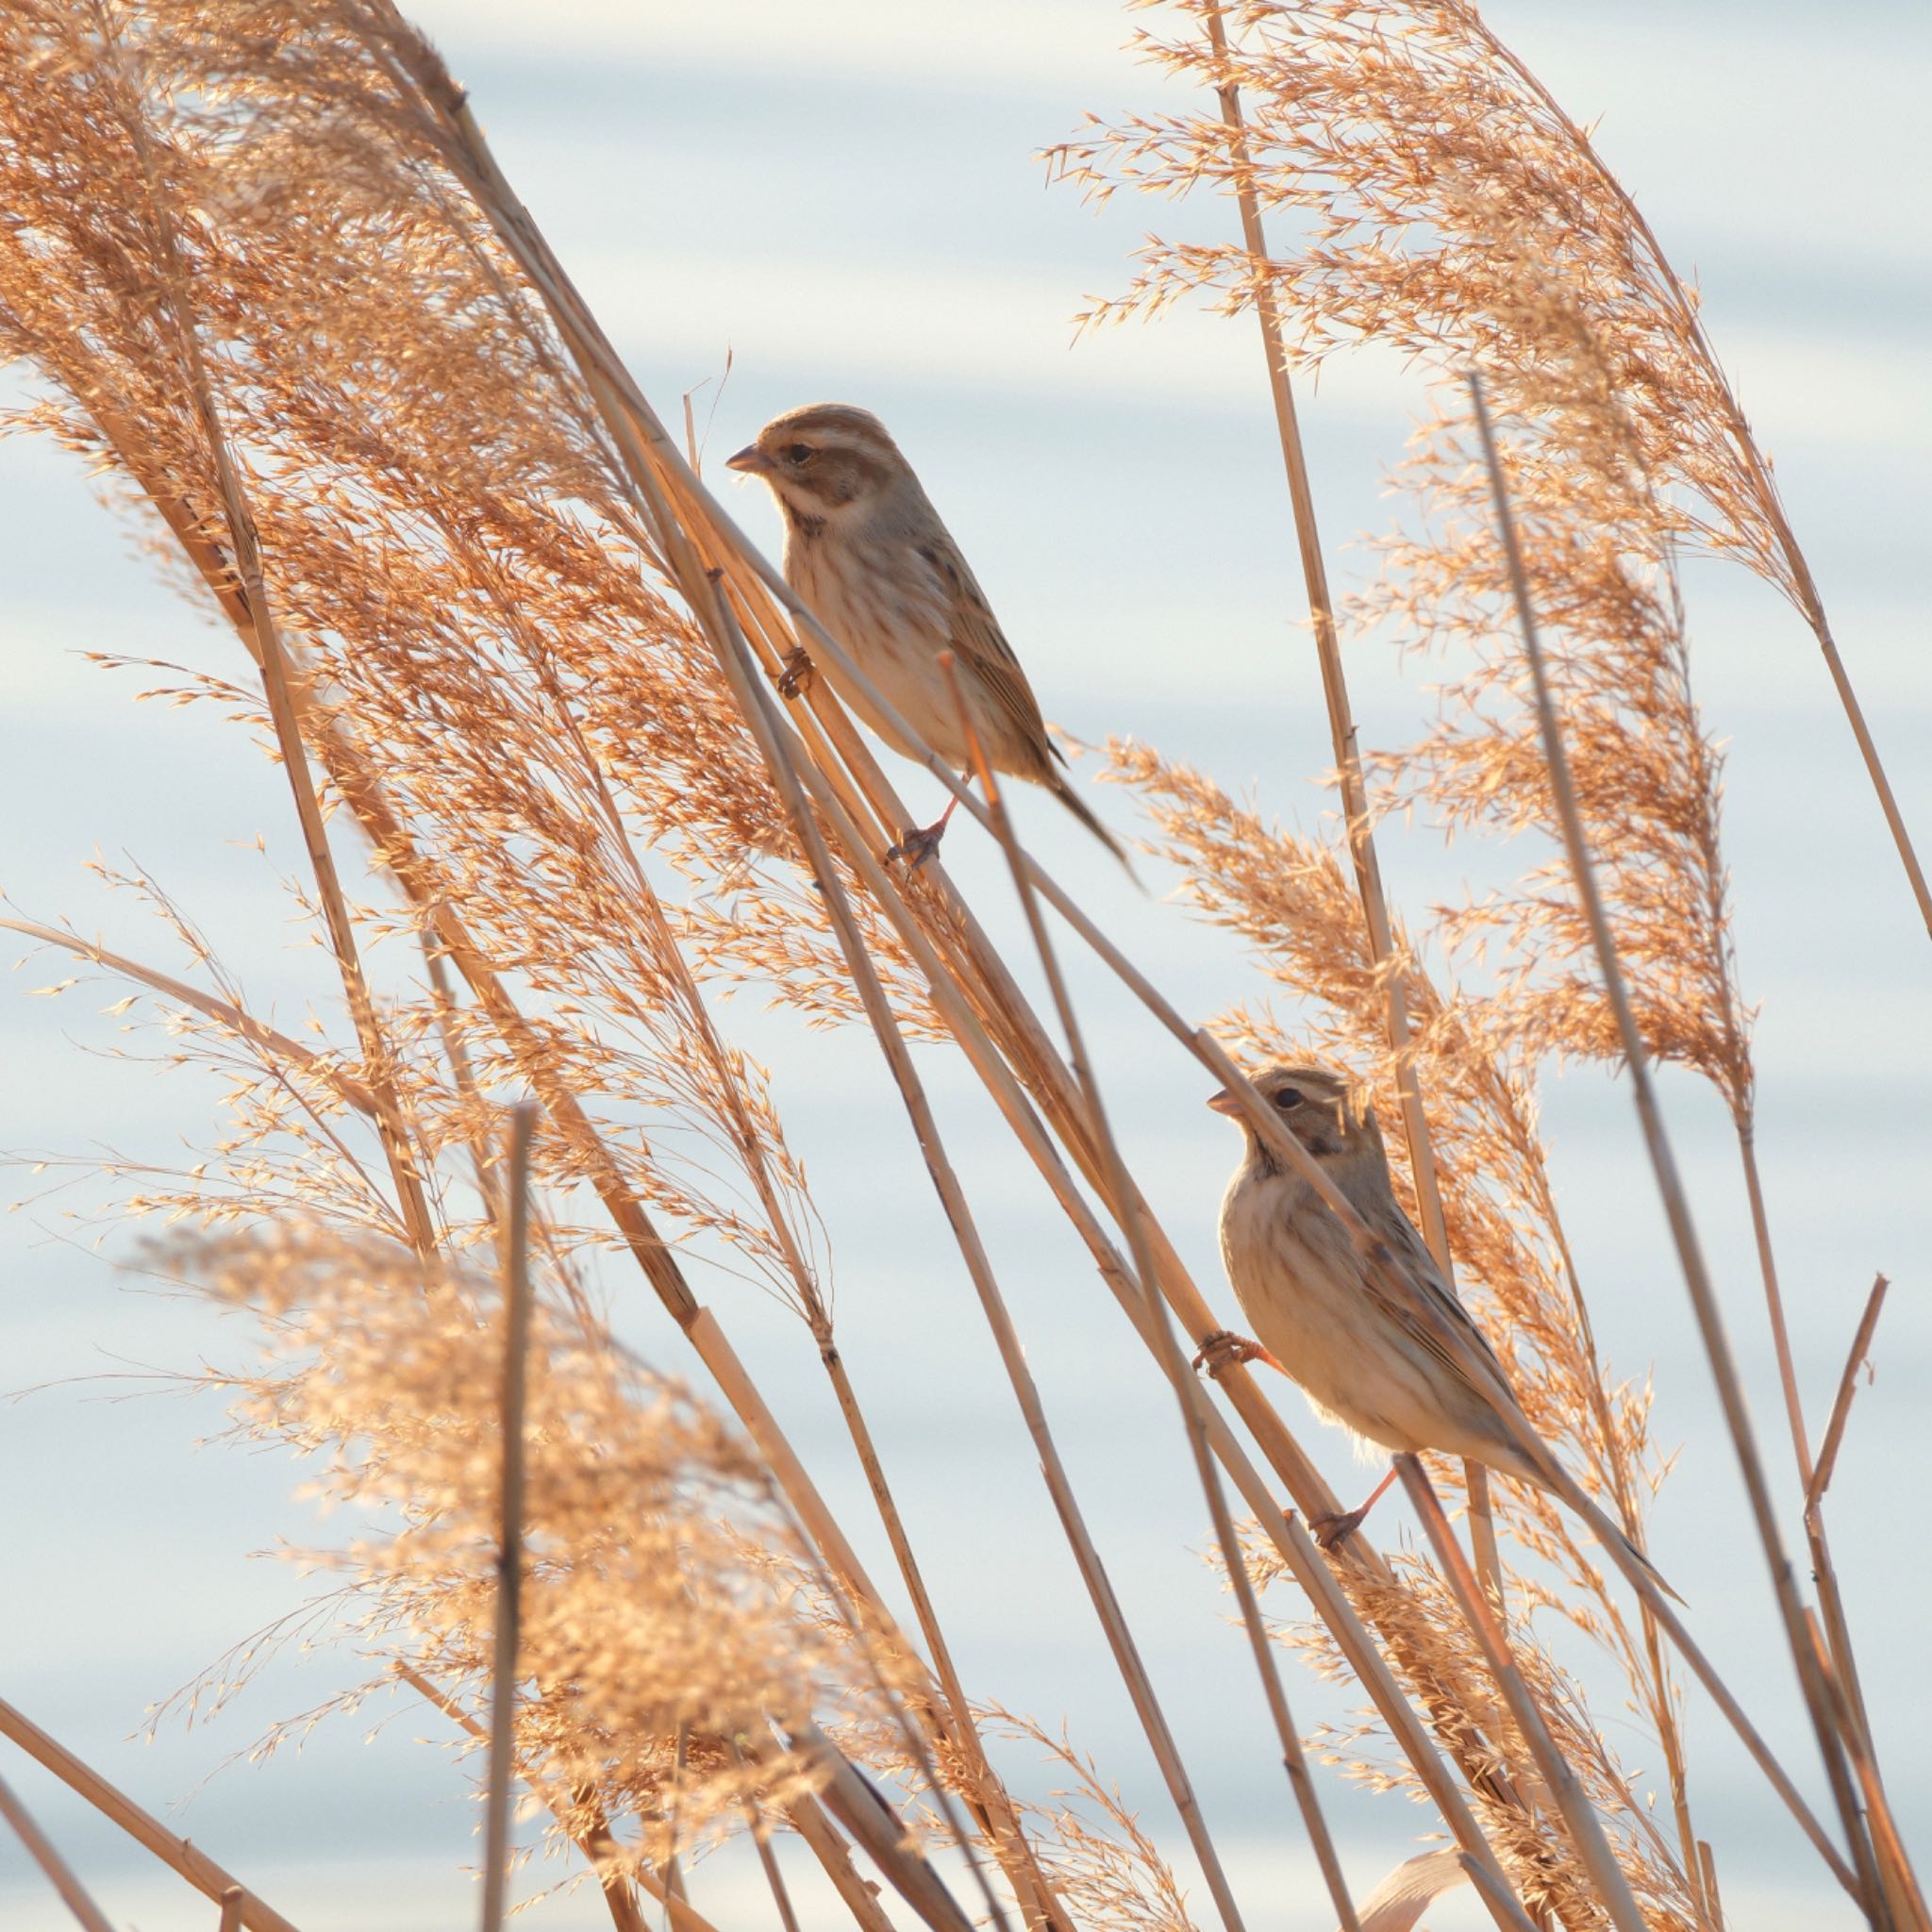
(973, 635)
(1434, 1317)
(1437, 1320)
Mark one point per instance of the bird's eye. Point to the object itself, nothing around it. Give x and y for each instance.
(1288, 1099)
(800, 454)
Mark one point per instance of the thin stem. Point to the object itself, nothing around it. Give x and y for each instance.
(449, 1029)
(509, 1553)
(768, 1862)
(735, 658)
(1868, 747)
(1774, 1296)
(594, 1841)
(1847, 1388)
(808, 1819)
(1585, 1832)
(1499, 1900)
(60, 1873)
(1677, 1204)
(189, 1861)
(857, 1806)
(1823, 1570)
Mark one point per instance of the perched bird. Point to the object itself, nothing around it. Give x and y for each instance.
(1404, 1373)
(865, 548)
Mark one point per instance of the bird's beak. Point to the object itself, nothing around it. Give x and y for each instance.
(750, 461)
(1226, 1102)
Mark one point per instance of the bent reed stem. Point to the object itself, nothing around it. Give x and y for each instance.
(1677, 1204)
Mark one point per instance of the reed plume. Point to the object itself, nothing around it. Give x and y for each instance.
(1411, 150)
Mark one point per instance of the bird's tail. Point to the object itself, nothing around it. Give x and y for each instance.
(1077, 806)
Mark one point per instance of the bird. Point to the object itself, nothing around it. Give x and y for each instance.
(1403, 1370)
(866, 550)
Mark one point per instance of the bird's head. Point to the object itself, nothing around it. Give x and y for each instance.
(826, 463)
(1315, 1106)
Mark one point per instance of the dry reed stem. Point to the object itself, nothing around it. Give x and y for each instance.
(1900, 1883)
(1842, 1403)
(449, 1030)
(231, 1910)
(857, 1806)
(189, 1861)
(1823, 1569)
(1357, 819)
(760, 1836)
(1707, 1865)
(509, 1553)
(821, 1839)
(1677, 1209)
(594, 1843)
(1830, 1599)
(61, 1875)
(1586, 1833)
(1508, 1913)
(1194, 1403)
(736, 657)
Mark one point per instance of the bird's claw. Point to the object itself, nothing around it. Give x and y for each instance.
(916, 846)
(796, 673)
(1332, 1531)
(1225, 1350)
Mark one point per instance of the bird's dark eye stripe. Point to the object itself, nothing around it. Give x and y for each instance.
(1288, 1097)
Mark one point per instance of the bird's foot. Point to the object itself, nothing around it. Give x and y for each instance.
(1332, 1531)
(916, 846)
(1225, 1349)
(796, 673)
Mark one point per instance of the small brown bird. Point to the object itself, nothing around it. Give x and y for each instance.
(865, 548)
(1404, 1374)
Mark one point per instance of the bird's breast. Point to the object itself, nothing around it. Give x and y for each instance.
(878, 600)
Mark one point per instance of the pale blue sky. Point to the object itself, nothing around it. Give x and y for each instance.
(844, 197)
